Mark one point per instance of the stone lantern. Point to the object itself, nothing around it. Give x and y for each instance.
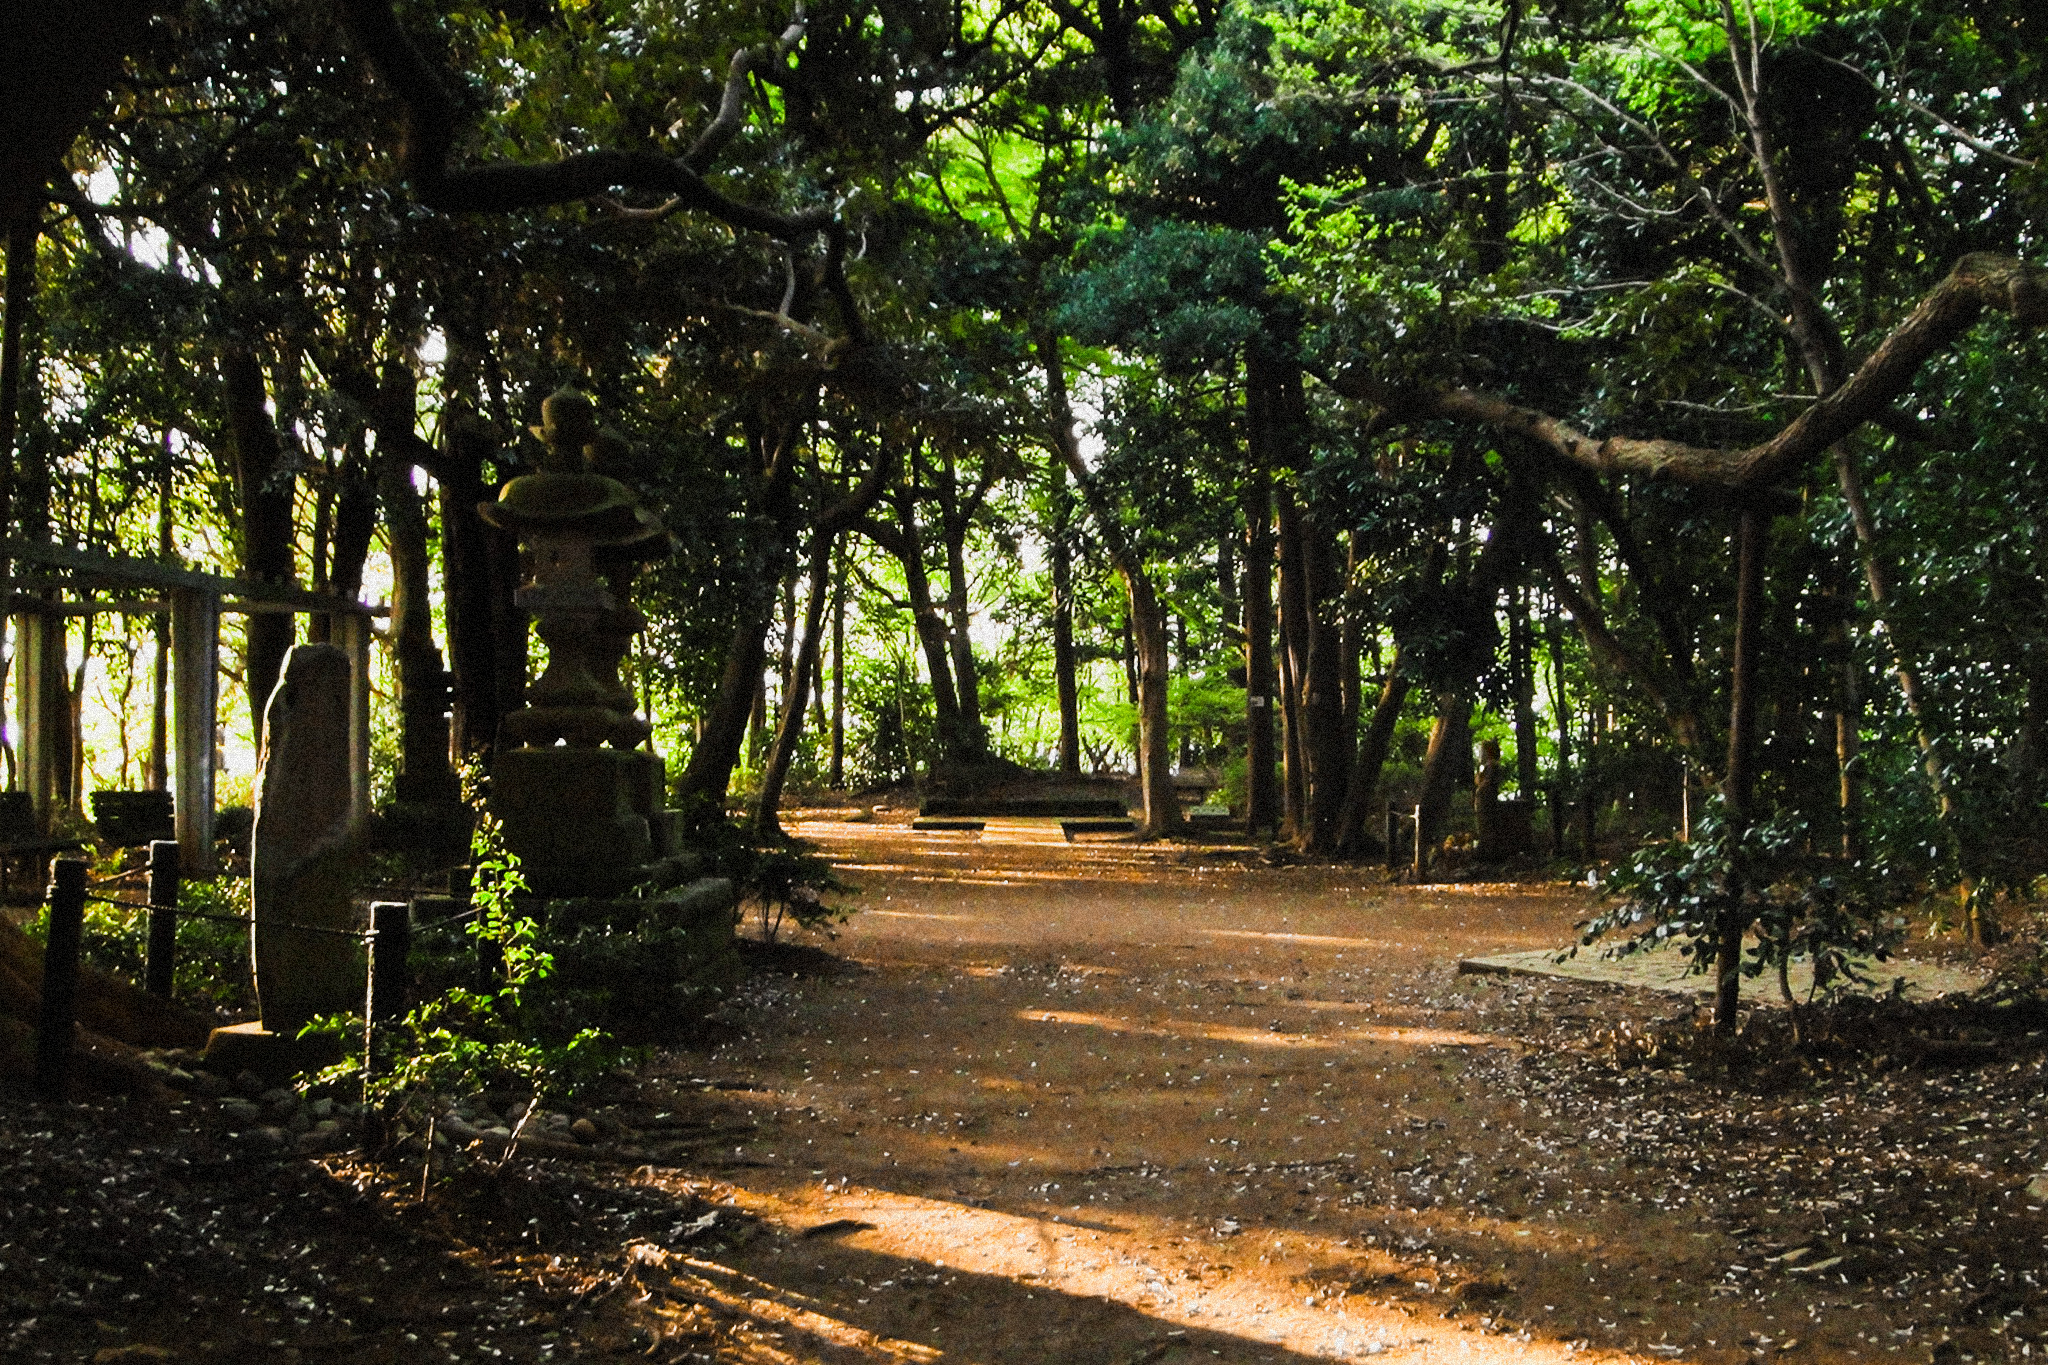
(580, 801)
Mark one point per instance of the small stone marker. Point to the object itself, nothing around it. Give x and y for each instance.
(303, 847)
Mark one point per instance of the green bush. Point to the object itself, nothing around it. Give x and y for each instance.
(1839, 913)
(784, 880)
(464, 1038)
(210, 967)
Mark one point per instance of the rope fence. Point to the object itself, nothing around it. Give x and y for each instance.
(386, 939)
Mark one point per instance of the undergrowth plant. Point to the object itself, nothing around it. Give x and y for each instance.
(467, 1038)
(786, 880)
(1839, 914)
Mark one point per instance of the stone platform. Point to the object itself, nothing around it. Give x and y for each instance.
(1664, 970)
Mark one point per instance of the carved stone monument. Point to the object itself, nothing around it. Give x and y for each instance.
(580, 802)
(303, 849)
(302, 943)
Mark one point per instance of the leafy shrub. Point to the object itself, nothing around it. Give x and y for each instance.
(464, 1038)
(784, 880)
(210, 968)
(1839, 913)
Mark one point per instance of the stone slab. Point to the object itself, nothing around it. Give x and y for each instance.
(1664, 970)
(302, 863)
(276, 1057)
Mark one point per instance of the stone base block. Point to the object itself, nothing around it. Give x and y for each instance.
(436, 832)
(276, 1057)
(579, 819)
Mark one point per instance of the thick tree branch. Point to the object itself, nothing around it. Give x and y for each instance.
(432, 121)
(732, 108)
(1951, 308)
(848, 512)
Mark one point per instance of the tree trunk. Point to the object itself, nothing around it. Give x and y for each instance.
(1589, 788)
(1155, 747)
(1294, 821)
(907, 544)
(1739, 782)
(1449, 750)
(1148, 620)
(796, 697)
(959, 633)
(1848, 722)
(423, 771)
(265, 493)
(1561, 772)
(474, 642)
(702, 787)
(701, 790)
(1350, 647)
(1522, 662)
(1976, 921)
(355, 526)
(21, 270)
(1262, 796)
(1064, 664)
(1354, 835)
(837, 778)
(1327, 743)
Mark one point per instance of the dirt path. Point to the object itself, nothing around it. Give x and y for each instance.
(1111, 1103)
(1121, 1094)
(1103, 1104)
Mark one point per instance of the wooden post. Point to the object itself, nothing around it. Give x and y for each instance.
(163, 917)
(195, 700)
(351, 632)
(1421, 858)
(55, 1024)
(387, 981)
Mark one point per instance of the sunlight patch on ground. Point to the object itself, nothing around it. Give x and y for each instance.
(1256, 1037)
(921, 914)
(747, 1296)
(1306, 1294)
(1298, 938)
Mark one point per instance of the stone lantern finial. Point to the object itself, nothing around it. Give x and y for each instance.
(568, 425)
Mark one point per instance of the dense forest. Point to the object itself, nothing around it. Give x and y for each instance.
(1305, 394)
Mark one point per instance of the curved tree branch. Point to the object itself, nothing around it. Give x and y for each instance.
(1979, 281)
(432, 121)
(732, 108)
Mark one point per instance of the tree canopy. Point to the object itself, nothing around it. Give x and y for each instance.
(1299, 391)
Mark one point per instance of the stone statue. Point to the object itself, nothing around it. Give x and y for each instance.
(303, 849)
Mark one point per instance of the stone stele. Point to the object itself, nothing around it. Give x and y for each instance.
(303, 850)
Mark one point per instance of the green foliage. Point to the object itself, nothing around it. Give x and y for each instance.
(210, 967)
(1839, 914)
(502, 1031)
(785, 880)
